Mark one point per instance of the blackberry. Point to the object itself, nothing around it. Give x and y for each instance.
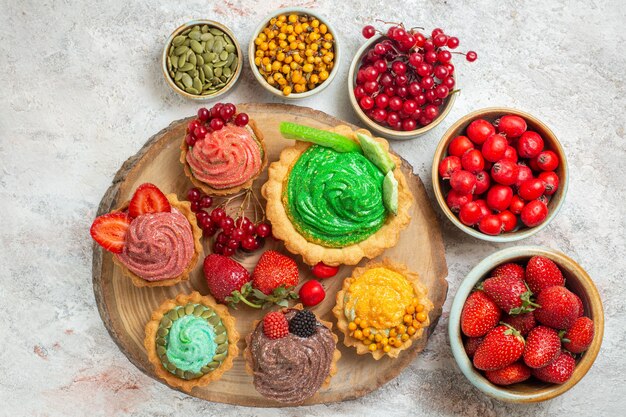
(303, 324)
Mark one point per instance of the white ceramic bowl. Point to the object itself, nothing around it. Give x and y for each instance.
(276, 91)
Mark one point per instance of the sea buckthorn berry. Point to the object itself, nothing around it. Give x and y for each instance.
(411, 330)
(401, 329)
(372, 347)
(363, 324)
(392, 341)
(415, 302)
(351, 326)
(366, 332)
(419, 308)
(408, 318)
(392, 333)
(404, 337)
(416, 324)
(357, 320)
(378, 337)
(358, 334)
(398, 343)
(366, 341)
(410, 309)
(386, 348)
(384, 341)
(421, 316)
(371, 337)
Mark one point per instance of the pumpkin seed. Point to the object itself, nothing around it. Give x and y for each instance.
(208, 47)
(219, 64)
(227, 40)
(171, 52)
(195, 45)
(180, 85)
(186, 31)
(178, 76)
(223, 55)
(216, 31)
(208, 70)
(218, 46)
(217, 70)
(186, 79)
(206, 36)
(227, 72)
(215, 81)
(178, 40)
(230, 59)
(193, 73)
(219, 85)
(207, 86)
(195, 35)
(201, 75)
(186, 43)
(233, 65)
(207, 92)
(205, 56)
(182, 60)
(188, 66)
(220, 339)
(192, 90)
(180, 50)
(223, 78)
(205, 28)
(192, 59)
(197, 84)
(161, 350)
(199, 60)
(168, 60)
(229, 48)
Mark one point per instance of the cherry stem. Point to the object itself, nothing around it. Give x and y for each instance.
(390, 23)
(416, 27)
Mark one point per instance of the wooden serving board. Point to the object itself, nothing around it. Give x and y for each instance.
(125, 309)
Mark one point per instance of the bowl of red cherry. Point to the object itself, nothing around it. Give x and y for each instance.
(402, 83)
(500, 174)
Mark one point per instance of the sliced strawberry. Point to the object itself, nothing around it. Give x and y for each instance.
(109, 231)
(148, 199)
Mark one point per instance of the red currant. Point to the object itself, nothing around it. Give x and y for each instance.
(263, 230)
(203, 114)
(471, 56)
(242, 119)
(368, 31)
(194, 194)
(206, 201)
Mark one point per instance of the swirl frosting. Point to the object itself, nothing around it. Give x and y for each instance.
(226, 158)
(158, 246)
(191, 344)
(334, 199)
(291, 369)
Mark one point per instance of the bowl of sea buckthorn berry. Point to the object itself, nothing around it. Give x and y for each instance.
(402, 82)
(294, 53)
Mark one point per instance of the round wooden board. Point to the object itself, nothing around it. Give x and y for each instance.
(125, 309)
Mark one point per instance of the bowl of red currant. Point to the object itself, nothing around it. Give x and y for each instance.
(402, 82)
(500, 174)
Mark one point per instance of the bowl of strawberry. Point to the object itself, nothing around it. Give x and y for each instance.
(526, 324)
(402, 82)
(500, 174)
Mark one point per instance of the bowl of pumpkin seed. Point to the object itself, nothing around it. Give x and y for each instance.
(202, 60)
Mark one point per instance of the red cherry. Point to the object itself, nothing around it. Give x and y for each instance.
(505, 172)
(366, 102)
(531, 189)
(473, 161)
(517, 205)
(494, 148)
(456, 200)
(471, 213)
(263, 230)
(529, 145)
(323, 271)
(499, 197)
(448, 166)
(547, 161)
(311, 293)
(194, 194)
(551, 181)
(242, 119)
(534, 213)
(459, 145)
(463, 181)
(483, 182)
(491, 224)
(509, 220)
(408, 125)
(512, 126)
(480, 130)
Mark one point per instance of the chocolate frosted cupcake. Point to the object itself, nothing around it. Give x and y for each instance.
(191, 341)
(291, 355)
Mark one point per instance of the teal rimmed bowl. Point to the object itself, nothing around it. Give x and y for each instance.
(577, 281)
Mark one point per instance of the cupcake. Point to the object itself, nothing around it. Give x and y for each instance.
(154, 238)
(191, 341)
(382, 309)
(291, 355)
(223, 153)
(329, 203)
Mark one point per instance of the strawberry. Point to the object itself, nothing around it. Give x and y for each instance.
(581, 307)
(510, 270)
(511, 374)
(579, 337)
(523, 323)
(148, 199)
(109, 231)
(509, 293)
(559, 308)
(273, 271)
(542, 347)
(558, 371)
(542, 273)
(224, 276)
(471, 344)
(480, 314)
(502, 346)
(275, 325)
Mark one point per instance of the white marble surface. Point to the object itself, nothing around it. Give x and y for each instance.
(82, 91)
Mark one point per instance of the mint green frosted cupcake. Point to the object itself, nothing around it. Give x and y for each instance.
(191, 341)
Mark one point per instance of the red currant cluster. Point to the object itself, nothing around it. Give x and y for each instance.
(210, 120)
(500, 172)
(403, 80)
(239, 233)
